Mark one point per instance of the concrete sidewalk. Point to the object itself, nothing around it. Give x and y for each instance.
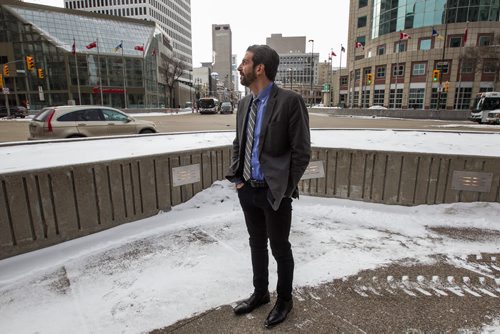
(438, 298)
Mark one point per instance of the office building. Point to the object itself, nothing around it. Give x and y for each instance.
(298, 70)
(58, 56)
(222, 56)
(418, 54)
(173, 17)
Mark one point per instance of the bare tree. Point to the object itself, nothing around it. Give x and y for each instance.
(481, 57)
(171, 69)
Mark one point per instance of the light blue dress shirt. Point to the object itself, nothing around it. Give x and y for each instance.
(262, 98)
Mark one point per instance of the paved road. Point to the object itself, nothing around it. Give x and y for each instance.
(15, 130)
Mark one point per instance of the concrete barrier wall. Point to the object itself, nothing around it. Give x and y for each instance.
(44, 207)
(397, 113)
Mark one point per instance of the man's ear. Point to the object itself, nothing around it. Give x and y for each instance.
(261, 69)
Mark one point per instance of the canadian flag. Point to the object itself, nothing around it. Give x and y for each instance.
(403, 36)
(139, 48)
(333, 54)
(359, 45)
(92, 45)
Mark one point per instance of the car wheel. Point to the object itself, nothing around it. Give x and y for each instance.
(146, 131)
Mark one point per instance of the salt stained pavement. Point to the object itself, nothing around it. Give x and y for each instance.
(150, 273)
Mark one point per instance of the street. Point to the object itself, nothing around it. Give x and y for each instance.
(17, 130)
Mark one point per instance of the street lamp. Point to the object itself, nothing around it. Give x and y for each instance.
(312, 69)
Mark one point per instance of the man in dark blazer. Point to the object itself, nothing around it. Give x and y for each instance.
(271, 151)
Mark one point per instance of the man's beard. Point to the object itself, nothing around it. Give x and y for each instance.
(247, 79)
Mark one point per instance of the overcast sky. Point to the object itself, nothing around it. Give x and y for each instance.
(252, 21)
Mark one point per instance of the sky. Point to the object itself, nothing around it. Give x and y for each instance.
(129, 279)
(252, 21)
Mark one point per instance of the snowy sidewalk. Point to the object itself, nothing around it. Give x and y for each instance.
(152, 273)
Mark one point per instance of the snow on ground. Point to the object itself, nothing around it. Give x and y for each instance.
(130, 279)
(62, 152)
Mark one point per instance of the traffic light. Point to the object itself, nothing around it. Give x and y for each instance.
(1, 81)
(6, 70)
(40, 73)
(446, 86)
(30, 63)
(435, 75)
(370, 78)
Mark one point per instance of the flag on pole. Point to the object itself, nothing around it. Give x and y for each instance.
(342, 49)
(436, 34)
(465, 35)
(119, 46)
(73, 47)
(359, 45)
(92, 45)
(139, 48)
(333, 54)
(403, 36)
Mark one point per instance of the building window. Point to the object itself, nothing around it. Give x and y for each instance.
(380, 72)
(357, 74)
(362, 3)
(365, 98)
(416, 98)
(443, 67)
(380, 50)
(361, 39)
(489, 67)
(398, 70)
(425, 44)
(378, 97)
(361, 21)
(462, 98)
(418, 69)
(467, 66)
(344, 80)
(434, 98)
(396, 99)
(455, 42)
(400, 46)
(484, 40)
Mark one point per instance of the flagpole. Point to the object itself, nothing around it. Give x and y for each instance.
(77, 75)
(397, 70)
(444, 52)
(340, 72)
(124, 87)
(99, 69)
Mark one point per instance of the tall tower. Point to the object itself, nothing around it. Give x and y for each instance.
(222, 51)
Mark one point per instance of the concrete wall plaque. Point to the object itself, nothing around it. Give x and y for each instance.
(314, 170)
(471, 181)
(186, 175)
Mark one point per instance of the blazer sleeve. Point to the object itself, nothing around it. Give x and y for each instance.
(300, 141)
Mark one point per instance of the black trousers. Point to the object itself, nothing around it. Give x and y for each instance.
(264, 223)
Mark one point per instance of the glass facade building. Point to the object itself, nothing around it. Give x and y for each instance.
(85, 57)
(392, 15)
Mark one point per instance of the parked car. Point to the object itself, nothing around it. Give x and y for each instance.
(85, 121)
(15, 112)
(226, 108)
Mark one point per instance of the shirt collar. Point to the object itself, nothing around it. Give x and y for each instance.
(264, 94)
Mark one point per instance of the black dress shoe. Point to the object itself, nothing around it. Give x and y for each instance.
(250, 304)
(279, 312)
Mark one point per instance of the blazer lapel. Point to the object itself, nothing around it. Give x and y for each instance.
(241, 120)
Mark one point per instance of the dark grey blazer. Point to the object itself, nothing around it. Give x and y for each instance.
(284, 146)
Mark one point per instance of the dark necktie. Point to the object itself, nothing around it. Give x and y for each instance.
(247, 168)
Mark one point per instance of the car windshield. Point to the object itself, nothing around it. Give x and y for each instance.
(208, 103)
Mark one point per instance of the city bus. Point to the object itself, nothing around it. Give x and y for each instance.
(208, 105)
(486, 108)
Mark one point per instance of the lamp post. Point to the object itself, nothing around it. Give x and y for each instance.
(312, 69)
